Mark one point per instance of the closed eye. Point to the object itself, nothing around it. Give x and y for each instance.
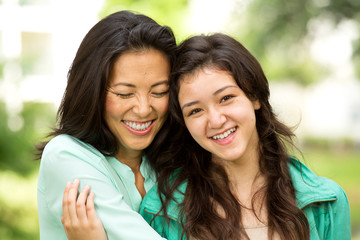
(160, 94)
(127, 95)
(194, 111)
(122, 95)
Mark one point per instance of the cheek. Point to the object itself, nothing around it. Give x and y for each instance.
(112, 108)
(161, 106)
(242, 113)
(109, 106)
(195, 127)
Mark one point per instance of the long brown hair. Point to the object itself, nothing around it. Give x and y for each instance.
(82, 108)
(193, 165)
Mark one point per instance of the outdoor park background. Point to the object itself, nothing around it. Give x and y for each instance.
(309, 49)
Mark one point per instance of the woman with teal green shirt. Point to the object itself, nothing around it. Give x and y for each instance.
(115, 103)
(323, 201)
(225, 172)
(230, 176)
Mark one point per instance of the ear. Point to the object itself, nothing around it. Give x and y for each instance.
(256, 105)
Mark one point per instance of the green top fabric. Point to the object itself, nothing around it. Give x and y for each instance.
(322, 200)
(117, 199)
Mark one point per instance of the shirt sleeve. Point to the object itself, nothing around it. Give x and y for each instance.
(341, 220)
(63, 162)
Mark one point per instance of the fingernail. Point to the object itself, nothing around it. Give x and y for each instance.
(76, 180)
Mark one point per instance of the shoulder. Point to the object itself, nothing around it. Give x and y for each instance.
(341, 198)
(64, 141)
(67, 145)
(313, 188)
(65, 151)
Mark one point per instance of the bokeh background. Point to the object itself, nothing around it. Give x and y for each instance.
(309, 49)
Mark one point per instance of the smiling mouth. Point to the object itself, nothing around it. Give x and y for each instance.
(224, 134)
(138, 126)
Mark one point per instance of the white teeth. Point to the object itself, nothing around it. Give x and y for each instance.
(138, 127)
(224, 135)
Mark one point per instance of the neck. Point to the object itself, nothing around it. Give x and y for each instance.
(244, 176)
(245, 182)
(130, 158)
(133, 160)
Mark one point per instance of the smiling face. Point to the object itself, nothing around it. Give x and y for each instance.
(220, 117)
(137, 98)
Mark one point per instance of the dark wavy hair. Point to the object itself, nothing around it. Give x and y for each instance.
(82, 108)
(207, 182)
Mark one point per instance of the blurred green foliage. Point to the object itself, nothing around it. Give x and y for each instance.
(17, 147)
(277, 32)
(18, 169)
(165, 12)
(18, 209)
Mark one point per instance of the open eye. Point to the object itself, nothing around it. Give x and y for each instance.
(227, 97)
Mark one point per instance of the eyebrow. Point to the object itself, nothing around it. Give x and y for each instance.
(133, 86)
(223, 88)
(189, 104)
(214, 94)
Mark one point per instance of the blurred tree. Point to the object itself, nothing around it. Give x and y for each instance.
(165, 12)
(17, 146)
(278, 32)
(12, 220)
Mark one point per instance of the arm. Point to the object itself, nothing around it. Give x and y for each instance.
(63, 162)
(79, 217)
(341, 224)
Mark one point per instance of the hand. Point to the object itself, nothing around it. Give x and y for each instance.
(79, 216)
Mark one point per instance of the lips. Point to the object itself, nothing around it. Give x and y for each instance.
(224, 134)
(225, 137)
(139, 128)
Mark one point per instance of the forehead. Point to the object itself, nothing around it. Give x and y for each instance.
(137, 67)
(206, 77)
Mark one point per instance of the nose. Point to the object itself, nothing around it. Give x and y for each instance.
(216, 119)
(143, 106)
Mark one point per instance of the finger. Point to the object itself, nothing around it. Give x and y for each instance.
(65, 216)
(71, 201)
(80, 204)
(90, 210)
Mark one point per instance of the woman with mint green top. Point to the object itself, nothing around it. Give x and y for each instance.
(115, 103)
(66, 158)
